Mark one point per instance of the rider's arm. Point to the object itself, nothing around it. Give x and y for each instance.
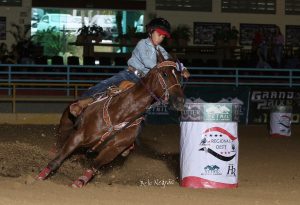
(179, 66)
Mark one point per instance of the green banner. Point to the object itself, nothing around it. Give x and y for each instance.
(208, 94)
(217, 112)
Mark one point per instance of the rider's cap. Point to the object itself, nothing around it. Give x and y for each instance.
(162, 32)
(159, 23)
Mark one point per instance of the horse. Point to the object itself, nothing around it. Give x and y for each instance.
(109, 126)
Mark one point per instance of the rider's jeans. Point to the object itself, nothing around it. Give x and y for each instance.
(114, 80)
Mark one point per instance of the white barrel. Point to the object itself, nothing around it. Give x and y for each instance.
(209, 146)
(280, 121)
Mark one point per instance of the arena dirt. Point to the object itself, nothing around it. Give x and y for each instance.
(268, 170)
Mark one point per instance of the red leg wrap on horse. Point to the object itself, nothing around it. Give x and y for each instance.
(84, 179)
(44, 173)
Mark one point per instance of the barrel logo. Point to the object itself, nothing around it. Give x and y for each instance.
(212, 170)
(219, 143)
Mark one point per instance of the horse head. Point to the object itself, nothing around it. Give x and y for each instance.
(165, 84)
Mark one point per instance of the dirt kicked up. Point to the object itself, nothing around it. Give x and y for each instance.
(268, 170)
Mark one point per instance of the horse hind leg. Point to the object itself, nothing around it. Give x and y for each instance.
(71, 144)
(66, 126)
(122, 141)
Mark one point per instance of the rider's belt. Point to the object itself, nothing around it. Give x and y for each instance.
(137, 72)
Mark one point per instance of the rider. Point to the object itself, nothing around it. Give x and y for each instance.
(144, 57)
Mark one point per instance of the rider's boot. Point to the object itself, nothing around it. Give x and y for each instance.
(77, 107)
(127, 151)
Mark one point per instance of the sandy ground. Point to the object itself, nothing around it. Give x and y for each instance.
(268, 171)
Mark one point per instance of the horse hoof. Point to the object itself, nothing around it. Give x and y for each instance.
(44, 174)
(84, 179)
(77, 184)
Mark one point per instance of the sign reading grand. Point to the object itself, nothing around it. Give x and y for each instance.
(263, 100)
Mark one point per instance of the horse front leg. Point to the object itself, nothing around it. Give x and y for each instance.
(122, 141)
(71, 144)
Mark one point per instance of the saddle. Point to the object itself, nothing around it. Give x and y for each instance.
(124, 85)
(77, 107)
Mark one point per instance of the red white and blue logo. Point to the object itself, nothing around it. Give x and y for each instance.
(219, 143)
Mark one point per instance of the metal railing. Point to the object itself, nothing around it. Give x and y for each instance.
(245, 77)
(38, 83)
(14, 97)
(17, 73)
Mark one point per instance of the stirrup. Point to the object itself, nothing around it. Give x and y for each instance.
(113, 90)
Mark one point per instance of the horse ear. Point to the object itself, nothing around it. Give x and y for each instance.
(160, 57)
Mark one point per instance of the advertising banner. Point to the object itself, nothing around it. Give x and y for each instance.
(263, 99)
(211, 94)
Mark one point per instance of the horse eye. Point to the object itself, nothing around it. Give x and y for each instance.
(165, 75)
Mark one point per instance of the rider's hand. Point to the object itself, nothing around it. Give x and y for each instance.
(185, 73)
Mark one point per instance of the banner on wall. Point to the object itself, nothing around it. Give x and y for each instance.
(247, 31)
(262, 100)
(204, 32)
(211, 94)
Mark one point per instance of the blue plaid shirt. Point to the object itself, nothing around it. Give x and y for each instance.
(144, 55)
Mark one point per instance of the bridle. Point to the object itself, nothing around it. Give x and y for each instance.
(165, 96)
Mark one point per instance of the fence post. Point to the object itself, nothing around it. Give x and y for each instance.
(291, 78)
(14, 98)
(9, 80)
(68, 80)
(236, 77)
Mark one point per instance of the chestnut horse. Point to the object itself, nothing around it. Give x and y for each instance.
(109, 126)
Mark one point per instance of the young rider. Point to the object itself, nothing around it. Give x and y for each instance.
(144, 57)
